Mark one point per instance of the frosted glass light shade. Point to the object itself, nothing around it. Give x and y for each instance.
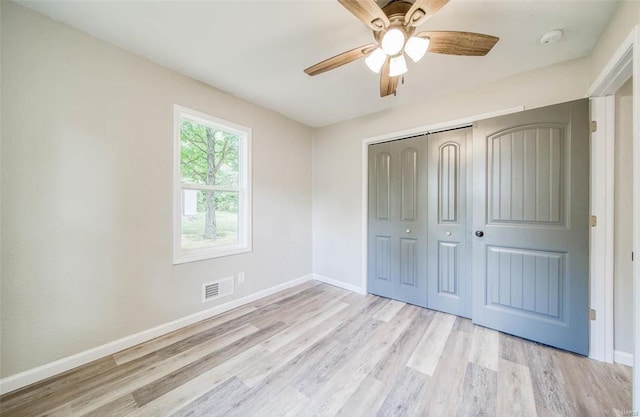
(375, 60)
(416, 48)
(397, 66)
(392, 41)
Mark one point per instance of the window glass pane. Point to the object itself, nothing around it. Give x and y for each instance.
(208, 155)
(209, 218)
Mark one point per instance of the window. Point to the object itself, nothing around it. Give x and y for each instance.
(212, 196)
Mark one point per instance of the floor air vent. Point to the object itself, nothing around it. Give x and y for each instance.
(214, 289)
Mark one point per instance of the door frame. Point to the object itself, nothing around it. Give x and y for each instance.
(624, 64)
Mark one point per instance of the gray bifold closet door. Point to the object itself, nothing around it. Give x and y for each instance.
(489, 223)
(418, 219)
(397, 221)
(448, 253)
(531, 209)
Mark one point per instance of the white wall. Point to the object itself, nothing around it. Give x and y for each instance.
(623, 221)
(337, 162)
(86, 193)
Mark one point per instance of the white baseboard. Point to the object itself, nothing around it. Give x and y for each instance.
(339, 284)
(623, 358)
(31, 376)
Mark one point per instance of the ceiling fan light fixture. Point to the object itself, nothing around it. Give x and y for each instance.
(394, 26)
(393, 41)
(397, 66)
(375, 60)
(416, 48)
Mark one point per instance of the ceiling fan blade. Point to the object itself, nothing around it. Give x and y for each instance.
(422, 10)
(459, 43)
(340, 59)
(388, 84)
(368, 12)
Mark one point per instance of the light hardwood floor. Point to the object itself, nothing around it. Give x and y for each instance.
(317, 350)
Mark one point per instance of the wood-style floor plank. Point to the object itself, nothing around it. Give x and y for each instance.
(515, 392)
(281, 295)
(289, 403)
(387, 312)
(41, 391)
(405, 397)
(318, 350)
(367, 398)
(120, 407)
(188, 392)
(442, 400)
(511, 348)
(426, 356)
(280, 357)
(315, 377)
(294, 331)
(161, 386)
(484, 348)
(110, 392)
(549, 389)
(336, 391)
(479, 392)
(220, 396)
(402, 349)
(145, 348)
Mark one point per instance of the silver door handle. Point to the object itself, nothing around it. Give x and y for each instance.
(408, 231)
(448, 233)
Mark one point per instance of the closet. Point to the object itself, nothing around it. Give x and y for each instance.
(488, 222)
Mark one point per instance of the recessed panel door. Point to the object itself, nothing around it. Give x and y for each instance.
(397, 217)
(448, 255)
(531, 200)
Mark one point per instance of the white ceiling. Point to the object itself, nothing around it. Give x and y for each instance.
(257, 50)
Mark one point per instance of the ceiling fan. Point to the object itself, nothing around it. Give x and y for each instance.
(394, 27)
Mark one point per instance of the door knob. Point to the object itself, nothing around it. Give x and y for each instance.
(448, 233)
(479, 233)
(408, 231)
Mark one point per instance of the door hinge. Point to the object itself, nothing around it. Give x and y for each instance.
(592, 314)
(631, 256)
(593, 221)
(593, 126)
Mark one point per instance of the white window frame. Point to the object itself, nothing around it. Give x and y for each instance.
(243, 245)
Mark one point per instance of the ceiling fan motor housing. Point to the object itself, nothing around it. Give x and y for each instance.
(396, 11)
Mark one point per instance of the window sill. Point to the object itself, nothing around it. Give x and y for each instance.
(195, 255)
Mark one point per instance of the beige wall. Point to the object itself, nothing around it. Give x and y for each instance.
(623, 215)
(337, 150)
(86, 181)
(626, 16)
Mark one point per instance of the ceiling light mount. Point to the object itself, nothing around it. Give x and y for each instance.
(551, 37)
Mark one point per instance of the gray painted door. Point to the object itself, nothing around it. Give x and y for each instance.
(531, 199)
(397, 221)
(448, 256)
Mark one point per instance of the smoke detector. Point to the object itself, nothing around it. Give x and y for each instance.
(551, 37)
